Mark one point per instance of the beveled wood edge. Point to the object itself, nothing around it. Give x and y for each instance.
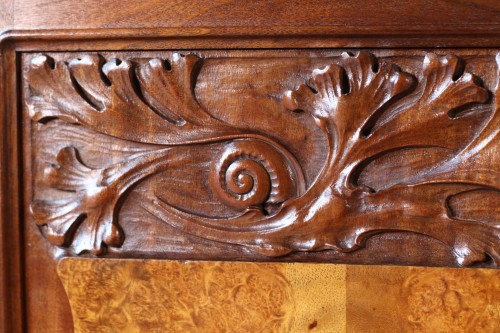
(11, 272)
(384, 36)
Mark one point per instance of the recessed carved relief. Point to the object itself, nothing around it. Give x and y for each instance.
(145, 116)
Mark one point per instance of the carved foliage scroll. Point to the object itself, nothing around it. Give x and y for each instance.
(366, 108)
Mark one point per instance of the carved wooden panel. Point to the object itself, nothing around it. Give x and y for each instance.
(108, 295)
(363, 156)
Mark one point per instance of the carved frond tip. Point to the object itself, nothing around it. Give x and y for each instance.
(349, 94)
(447, 86)
(168, 87)
(85, 219)
(95, 87)
(124, 98)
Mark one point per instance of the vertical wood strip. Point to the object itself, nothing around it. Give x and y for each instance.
(11, 305)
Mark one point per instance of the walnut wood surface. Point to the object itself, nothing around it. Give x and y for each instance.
(246, 58)
(46, 14)
(420, 135)
(108, 295)
(243, 24)
(365, 148)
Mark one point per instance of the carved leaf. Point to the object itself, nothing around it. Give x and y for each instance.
(345, 108)
(352, 95)
(460, 167)
(348, 103)
(91, 203)
(432, 108)
(86, 220)
(168, 87)
(104, 97)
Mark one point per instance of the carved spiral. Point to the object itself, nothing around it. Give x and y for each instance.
(253, 173)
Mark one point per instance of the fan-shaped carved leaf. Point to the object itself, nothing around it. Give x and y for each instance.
(104, 97)
(91, 203)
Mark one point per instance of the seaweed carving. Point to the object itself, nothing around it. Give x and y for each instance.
(364, 108)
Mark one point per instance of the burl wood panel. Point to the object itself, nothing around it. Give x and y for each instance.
(422, 299)
(267, 154)
(108, 295)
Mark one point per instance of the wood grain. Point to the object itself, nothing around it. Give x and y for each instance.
(45, 14)
(422, 299)
(154, 295)
(160, 296)
(42, 24)
(300, 36)
(11, 276)
(6, 15)
(308, 166)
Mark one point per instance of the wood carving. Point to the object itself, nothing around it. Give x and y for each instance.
(367, 109)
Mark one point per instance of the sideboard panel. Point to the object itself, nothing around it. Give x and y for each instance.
(349, 156)
(356, 137)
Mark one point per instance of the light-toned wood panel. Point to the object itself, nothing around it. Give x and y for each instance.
(6, 14)
(172, 296)
(422, 299)
(108, 295)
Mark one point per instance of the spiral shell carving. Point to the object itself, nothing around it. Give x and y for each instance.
(253, 173)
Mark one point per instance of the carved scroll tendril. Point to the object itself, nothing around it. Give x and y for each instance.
(148, 104)
(250, 173)
(366, 111)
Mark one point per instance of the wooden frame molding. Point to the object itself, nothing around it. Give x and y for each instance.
(383, 36)
(11, 249)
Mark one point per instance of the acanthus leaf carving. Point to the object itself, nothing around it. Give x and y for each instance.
(89, 204)
(365, 108)
(102, 97)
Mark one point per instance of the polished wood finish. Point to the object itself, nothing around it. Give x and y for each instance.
(238, 13)
(11, 301)
(238, 24)
(421, 299)
(313, 170)
(254, 68)
(157, 296)
(161, 296)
